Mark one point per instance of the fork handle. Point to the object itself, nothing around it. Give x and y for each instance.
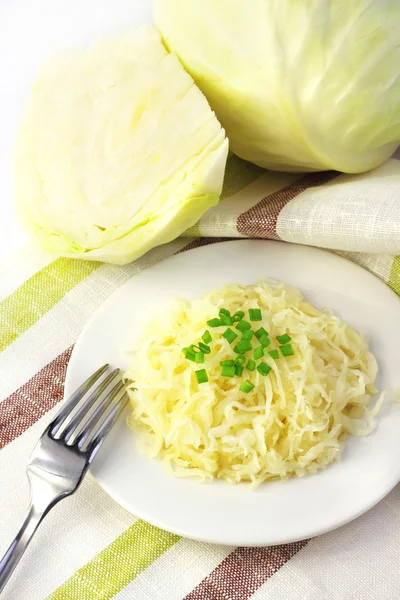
(20, 544)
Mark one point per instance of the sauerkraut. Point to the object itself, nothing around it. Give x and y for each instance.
(293, 422)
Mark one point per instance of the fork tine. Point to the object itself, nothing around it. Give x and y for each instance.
(91, 423)
(75, 398)
(86, 406)
(107, 425)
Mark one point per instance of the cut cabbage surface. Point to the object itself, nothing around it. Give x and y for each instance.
(118, 150)
(299, 85)
(293, 422)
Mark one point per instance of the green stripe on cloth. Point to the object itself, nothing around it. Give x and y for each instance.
(394, 277)
(118, 564)
(24, 307)
(193, 232)
(238, 175)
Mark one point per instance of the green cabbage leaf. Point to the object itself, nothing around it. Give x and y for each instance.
(118, 150)
(298, 85)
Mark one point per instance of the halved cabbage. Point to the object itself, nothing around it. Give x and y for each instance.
(299, 85)
(118, 151)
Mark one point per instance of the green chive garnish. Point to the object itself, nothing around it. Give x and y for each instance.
(238, 370)
(258, 352)
(263, 368)
(260, 332)
(225, 319)
(241, 359)
(255, 314)
(264, 341)
(214, 322)
(206, 337)
(224, 311)
(251, 365)
(242, 347)
(199, 357)
(283, 339)
(228, 371)
(189, 353)
(247, 335)
(202, 376)
(287, 350)
(204, 348)
(227, 363)
(237, 316)
(243, 326)
(246, 386)
(230, 335)
(274, 353)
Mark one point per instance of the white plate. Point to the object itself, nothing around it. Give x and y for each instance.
(276, 512)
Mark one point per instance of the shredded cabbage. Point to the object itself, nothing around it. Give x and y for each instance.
(293, 422)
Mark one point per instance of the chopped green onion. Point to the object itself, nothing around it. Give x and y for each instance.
(287, 350)
(228, 371)
(214, 322)
(189, 353)
(192, 348)
(199, 357)
(225, 316)
(260, 332)
(246, 386)
(204, 348)
(206, 337)
(238, 370)
(242, 347)
(258, 352)
(274, 353)
(230, 335)
(241, 359)
(251, 365)
(255, 314)
(243, 326)
(225, 320)
(283, 339)
(264, 341)
(263, 368)
(227, 363)
(202, 376)
(237, 316)
(247, 335)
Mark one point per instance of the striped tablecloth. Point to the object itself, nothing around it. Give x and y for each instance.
(89, 548)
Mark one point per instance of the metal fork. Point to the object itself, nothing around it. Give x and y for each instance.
(64, 452)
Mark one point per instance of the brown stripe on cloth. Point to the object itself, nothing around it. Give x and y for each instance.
(241, 573)
(260, 220)
(43, 391)
(199, 242)
(35, 398)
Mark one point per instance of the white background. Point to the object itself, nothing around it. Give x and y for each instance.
(30, 30)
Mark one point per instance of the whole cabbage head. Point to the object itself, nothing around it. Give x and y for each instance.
(299, 85)
(118, 151)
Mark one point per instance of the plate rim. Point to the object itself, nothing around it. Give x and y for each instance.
(242, 543)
